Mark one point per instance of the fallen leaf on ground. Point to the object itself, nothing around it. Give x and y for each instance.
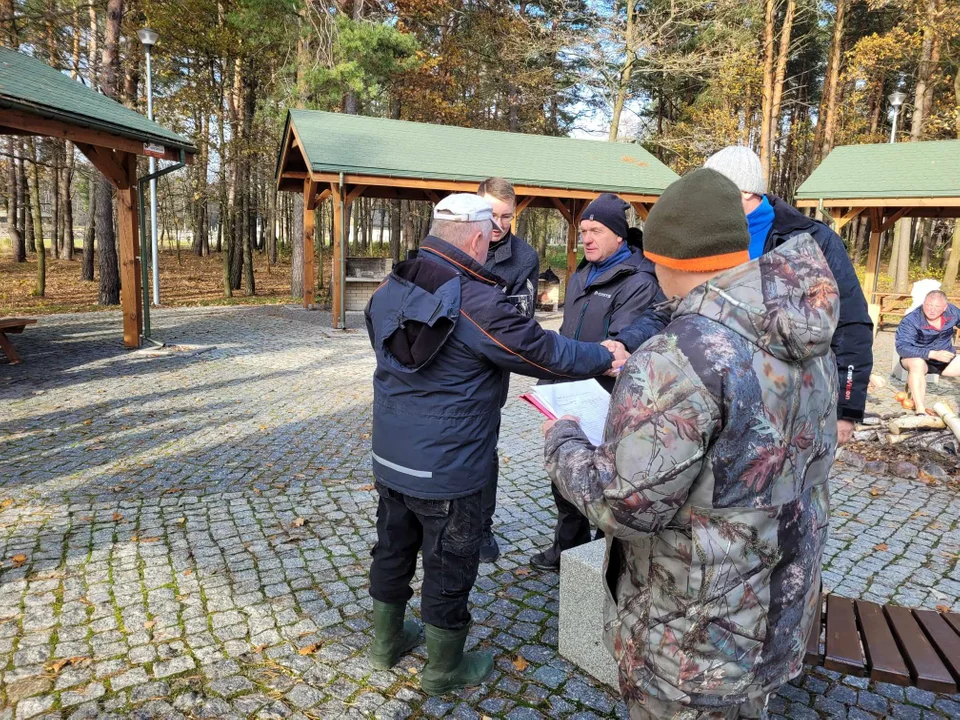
(58, 665)
(368, 487)
(117, 517)
(876, 491)
(7, 502)
(881, 546)
(842, 513)
(18, 559)
(943, 608)
(259, 648)
(309, 649)
(520, 663)
(298, 522)
(188, 572)
(412, 671)
(87, 422)
(523, 571)
(149, 624)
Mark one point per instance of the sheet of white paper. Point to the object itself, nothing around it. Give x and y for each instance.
(584, 399)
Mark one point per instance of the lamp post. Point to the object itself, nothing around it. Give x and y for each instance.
(149, 38)
(896, 100)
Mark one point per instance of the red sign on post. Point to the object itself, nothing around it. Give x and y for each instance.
(154, 150)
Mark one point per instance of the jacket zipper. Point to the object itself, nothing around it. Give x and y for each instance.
(576, 335)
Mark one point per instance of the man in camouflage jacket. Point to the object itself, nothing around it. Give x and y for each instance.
(711, 483)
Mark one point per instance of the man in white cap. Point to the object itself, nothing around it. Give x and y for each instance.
(772, 222)
(446, 339)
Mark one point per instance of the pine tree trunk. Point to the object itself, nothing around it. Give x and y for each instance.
(926, 238)
(86, 272)
(13, 211)
(953, 263)
(296, 247)
(766, 97)
(832, 82)
(249, 227)
(924, 71)
(395, 212)
(106, 237)
(626, 72)
(903, 255)
(271, 225)
(40, 247)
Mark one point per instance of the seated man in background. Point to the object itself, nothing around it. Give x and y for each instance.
(711, 482)
(925, 344)
(613, 285)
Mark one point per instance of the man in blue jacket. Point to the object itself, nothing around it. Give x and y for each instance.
(446, 338)
(925, 344)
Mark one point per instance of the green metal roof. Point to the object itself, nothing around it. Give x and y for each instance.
(361, 145)
(32, 86)
(908, 170)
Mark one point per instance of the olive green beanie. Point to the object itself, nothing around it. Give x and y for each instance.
(698, 225)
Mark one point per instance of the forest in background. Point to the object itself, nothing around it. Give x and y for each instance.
(790, 78)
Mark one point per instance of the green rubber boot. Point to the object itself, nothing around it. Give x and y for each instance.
(449, 668)
(392, 635)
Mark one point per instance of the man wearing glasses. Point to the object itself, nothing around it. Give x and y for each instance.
(510, 258)
(518, 265)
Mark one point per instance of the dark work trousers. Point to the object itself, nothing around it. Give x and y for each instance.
(489, 493)
(573, 528)
(448, 532)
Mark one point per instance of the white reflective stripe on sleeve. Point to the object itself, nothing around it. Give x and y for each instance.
(401, 468)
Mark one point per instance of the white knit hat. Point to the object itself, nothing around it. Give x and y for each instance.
(741, 165)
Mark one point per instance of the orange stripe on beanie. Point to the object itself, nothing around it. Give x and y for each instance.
(698, 225)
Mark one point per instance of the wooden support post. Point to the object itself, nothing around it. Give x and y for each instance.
(336, 285)
(521, 206)
(576, 207)
(309, 217)
(131, 299)
(873, 261)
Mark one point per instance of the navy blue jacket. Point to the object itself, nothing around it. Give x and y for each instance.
(853, 339)
(916, 337)
(446, 339)
(516, 263)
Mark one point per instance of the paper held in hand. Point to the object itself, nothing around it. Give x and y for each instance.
(584, 399)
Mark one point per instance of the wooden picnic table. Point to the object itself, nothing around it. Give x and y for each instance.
(10, 326)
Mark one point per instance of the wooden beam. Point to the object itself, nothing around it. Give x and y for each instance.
(357, 192)
(576, 209)
(581, 208)
(336, 285)
(641, 209)
(128, 224)
(888, 223)
(293, 175)
(321, 196)
(883, 202)
(105, 161)
(78, 134)
(564, 210)
(841, 218)
(434, 198)
(520, 207)
(309, 218)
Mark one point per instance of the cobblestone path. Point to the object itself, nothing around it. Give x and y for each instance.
(188, 536)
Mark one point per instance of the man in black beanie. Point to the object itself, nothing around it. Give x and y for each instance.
(613, 285)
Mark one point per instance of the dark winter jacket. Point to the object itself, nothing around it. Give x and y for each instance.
(446, 339)
(853, 340)
(518, 265)
(612, 302)
(916, 337)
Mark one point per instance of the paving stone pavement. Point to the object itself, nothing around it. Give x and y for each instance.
(154, 562)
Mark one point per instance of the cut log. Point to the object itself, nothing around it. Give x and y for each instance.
(915, 422)
(949, 417)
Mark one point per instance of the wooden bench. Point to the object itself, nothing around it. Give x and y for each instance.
(12, 325)
(887, 643)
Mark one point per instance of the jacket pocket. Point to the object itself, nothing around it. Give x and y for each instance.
(734, 553)
(460, 546)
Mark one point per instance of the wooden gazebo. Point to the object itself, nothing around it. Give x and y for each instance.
(348, 156)
(36, 99)
(889, 182)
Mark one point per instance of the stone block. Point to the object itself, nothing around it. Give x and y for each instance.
(581, 612)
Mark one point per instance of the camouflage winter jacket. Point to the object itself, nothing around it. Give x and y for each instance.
(711, 484)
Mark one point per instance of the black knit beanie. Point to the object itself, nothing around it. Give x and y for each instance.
(698, 225)
(609, 210)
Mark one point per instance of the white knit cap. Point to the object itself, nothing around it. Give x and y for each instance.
(741, 165)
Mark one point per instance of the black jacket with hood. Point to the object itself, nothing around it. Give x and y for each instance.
(446, 339)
